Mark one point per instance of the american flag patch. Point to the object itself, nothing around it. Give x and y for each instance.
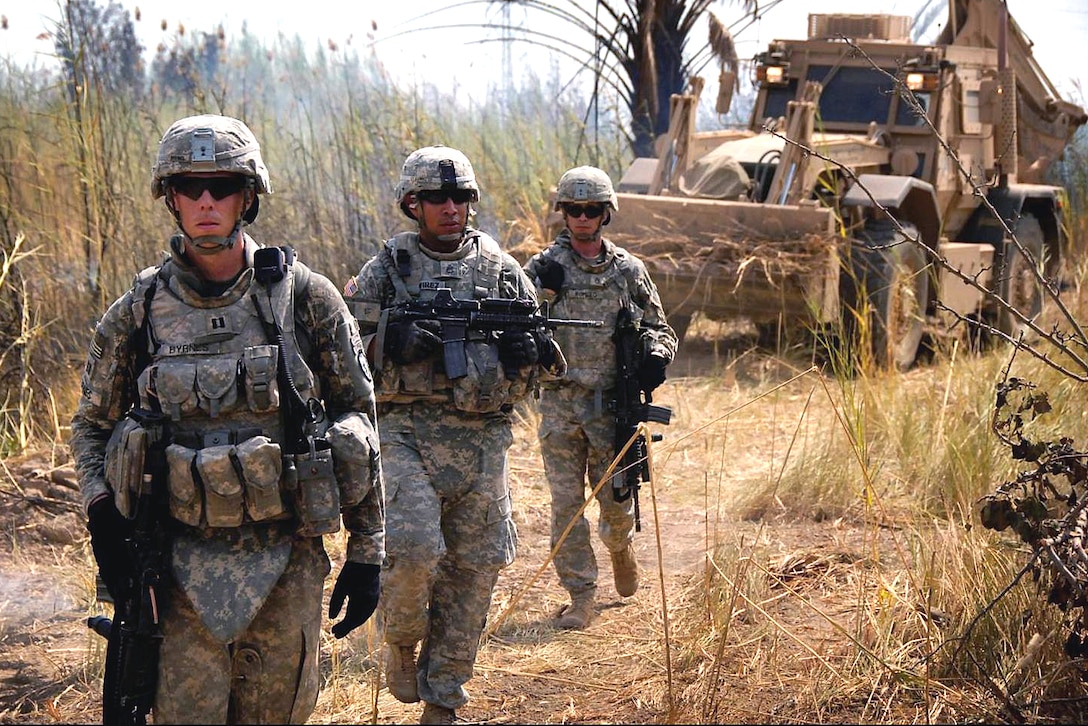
(351, 287)
(96, 349)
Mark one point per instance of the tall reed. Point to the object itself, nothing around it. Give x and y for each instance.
(334, 130)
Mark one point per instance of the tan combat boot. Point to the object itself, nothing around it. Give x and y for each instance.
(433, 713)
(625, 571)
(400, 673)
(577, 615)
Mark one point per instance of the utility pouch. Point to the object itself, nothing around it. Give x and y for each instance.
(261, 363)
(217, 385)
(175, 384)
(186, 500)
(222, 487)
(415, 379)
(261, 463)
(317, 496)
(523, 380)
(485, 388)
(124, 463)
(354, 444)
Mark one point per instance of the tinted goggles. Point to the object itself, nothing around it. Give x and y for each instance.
(591, 211)
(439, 196)
(220, 187)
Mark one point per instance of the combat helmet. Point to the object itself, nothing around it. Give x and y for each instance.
(585, 184)
(435, 168)
(210, 143)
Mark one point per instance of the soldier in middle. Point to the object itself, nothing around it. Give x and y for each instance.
(449, 525)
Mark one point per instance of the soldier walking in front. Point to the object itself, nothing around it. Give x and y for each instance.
(216, 345)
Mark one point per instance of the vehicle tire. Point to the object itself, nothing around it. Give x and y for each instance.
(892, 274)
(1017, 284)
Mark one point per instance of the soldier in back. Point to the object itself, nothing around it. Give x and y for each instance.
(584, 275)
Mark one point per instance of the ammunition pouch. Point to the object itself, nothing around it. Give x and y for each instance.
(124, 464)
(222, 483)
(486, 389)
(217, 386)
(222, 487)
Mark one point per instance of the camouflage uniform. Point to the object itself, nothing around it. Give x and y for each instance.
(576, 429)
(444, 445)
(242, 613)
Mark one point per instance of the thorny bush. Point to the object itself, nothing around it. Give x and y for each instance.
(1047, 506)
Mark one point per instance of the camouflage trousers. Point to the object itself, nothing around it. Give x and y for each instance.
(576, 437)
(269, 674)
(449, 530)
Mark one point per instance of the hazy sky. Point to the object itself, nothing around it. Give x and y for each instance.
(448, 55)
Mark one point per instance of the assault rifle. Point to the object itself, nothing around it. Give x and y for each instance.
(456, 317)
(632, 406)
(135, 633)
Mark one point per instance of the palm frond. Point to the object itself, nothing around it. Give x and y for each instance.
(721, 44)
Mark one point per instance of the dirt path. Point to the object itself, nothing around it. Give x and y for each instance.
(527, 672)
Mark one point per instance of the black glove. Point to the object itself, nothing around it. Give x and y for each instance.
(545, 349)
(408, 341)
(651, 373)
(360, 585)
(517, 349)
(109, 532)
(551, 276)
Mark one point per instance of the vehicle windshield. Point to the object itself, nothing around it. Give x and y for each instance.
(851, 95)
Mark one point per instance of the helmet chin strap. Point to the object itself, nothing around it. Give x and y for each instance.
(211, 244)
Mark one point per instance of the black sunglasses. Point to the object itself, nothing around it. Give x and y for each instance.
(591, 211)
(440, 196)
(220, 187)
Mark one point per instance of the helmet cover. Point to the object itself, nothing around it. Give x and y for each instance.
(585, 184)
(209, 143)
(436, 168)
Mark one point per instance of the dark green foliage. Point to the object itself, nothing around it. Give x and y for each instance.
(1045, 505)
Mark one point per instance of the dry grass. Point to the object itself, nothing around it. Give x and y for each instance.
(846, 605)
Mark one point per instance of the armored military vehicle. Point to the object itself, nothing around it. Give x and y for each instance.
(781, 222)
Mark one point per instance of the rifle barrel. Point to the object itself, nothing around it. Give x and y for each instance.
(566, 322)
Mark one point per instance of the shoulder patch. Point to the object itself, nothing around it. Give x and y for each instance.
(351, 287)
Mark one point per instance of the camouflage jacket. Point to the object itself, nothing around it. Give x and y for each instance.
(478, 268)
(328, 339)
(596, 289)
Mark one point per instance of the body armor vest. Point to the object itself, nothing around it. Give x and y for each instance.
(471, 272)
(213, 373)
(591, 291)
